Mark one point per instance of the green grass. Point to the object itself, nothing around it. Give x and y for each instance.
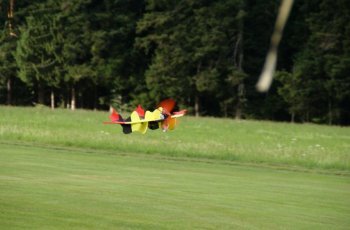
(63, 188)
(66, 170)
(310, 146)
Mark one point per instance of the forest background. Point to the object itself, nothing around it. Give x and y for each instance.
(205, 54)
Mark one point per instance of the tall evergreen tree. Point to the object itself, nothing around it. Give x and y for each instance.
(193, 43)
(321, 67)
(116, 62)
(36, 53)
(8, 43)
(76, 55)
(8, 65)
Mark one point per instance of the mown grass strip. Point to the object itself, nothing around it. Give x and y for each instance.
(274, 166)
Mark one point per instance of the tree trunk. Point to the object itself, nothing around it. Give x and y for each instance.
(330, 113)
(95, 98)
(238, 114)
(239, 106)
(196, 97)
(307, 115)
(292, 119)
(238, 62)
(41, 93)
(52, 99)
(9, 91)
(225, 109)
(73, 100)
(196, 106)
(67, 99)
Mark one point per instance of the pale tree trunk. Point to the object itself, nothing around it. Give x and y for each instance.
(73, 99)
(9, 91)
(292, 117)
(67, 99)
(52, 99)
(196, 106)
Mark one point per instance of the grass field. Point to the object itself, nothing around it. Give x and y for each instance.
(65, 170)
(311, 146)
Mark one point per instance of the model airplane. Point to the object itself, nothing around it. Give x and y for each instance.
(140, 121)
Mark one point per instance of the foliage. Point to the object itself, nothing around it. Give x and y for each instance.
(315, 89)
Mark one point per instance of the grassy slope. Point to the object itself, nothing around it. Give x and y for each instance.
(63, 188)
(310, 146)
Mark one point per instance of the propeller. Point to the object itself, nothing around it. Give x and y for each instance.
(167, 105)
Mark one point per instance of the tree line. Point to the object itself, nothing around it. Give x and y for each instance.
(205, 54)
